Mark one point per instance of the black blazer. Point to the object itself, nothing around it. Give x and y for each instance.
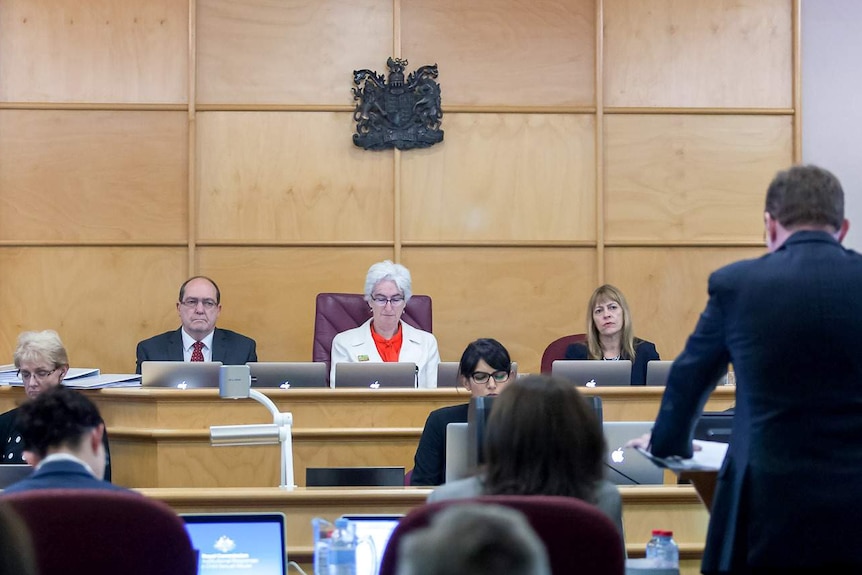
(229, 347)
(429, 463)
(645, 352)
(789, 493)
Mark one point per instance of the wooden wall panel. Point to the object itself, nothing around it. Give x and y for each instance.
(667, 288)
(290, 176)
(268, 293)
(524, 297)
(93, 175)
(503, 177)
(94, 51)
(691, 178)
(101, 301)
(706, 53)
(293, 51)
(504, 52)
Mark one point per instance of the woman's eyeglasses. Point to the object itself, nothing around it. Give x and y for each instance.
(482, 377)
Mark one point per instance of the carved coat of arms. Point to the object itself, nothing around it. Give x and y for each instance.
(397, 114)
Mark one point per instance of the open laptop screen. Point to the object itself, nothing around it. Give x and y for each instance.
(238, 543)
(180, 374)
(377, 528)
(376, 375)
(593, 373)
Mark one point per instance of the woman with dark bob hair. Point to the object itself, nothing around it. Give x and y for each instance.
(485, 369)
(542, 438)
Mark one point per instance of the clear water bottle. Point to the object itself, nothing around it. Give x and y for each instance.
(662, 549)
(322, 536)
(342, 549)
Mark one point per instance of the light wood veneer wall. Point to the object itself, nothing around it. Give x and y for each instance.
(586, 141)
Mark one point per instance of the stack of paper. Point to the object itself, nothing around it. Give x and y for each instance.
(79, 378)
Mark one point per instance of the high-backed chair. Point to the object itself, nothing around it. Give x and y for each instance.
(102, 532)
(337, 312)
(557, 350)
(578, 536)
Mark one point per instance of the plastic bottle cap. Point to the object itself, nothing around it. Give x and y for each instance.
(341, 523)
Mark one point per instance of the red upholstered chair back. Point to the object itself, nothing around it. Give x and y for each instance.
(101, 532)
(557, 350)
(578, 536)
(337, 312)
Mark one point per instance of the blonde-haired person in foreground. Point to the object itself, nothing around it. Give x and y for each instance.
(474, 539)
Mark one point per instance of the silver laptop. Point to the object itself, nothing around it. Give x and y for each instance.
(593, 373)
(180, 374)
(288, 374)
(657, 372)
(624, 465)
(447, 374)
(457, 459)
(377, 528)
(238, 543)
(376, 375)
(13, 473)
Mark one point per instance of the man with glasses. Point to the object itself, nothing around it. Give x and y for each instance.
(198, 339)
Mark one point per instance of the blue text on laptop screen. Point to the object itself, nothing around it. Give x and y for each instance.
(248, 548)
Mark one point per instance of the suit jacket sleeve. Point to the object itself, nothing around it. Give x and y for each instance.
(692, 378)
(429, 463)
(576, 351)
(338, 354)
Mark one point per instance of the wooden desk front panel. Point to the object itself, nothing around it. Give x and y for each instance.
(328, 408)
(186, 458)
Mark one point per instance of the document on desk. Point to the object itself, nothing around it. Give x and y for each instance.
(11, 377)
(708, 458)
(104, 380)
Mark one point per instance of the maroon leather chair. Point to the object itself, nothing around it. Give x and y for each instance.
(578, 536)
(102, 532)
(557, 350)
(337, 312)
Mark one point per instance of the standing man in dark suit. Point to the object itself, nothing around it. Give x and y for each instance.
(198, 339)
(62, 435)
(789, 495)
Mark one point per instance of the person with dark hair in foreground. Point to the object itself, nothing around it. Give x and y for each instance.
(485, 370)
(62, 434)
(474, 539)
(789, 492)
(542, 438)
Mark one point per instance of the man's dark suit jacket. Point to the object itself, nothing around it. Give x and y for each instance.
(229, 347)
(790, 491)
(61, 475)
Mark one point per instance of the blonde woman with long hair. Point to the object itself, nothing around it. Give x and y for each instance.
(610, 334)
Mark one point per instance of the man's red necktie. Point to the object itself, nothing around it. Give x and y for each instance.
(197, 351)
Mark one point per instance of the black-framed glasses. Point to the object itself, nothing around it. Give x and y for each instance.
(381, 301)
(38, 375)
(192, 303)
(483, 377)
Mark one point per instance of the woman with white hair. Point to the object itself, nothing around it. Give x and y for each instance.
(42, 363)
(384, 337)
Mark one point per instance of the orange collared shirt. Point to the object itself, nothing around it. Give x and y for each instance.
(389, 349)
